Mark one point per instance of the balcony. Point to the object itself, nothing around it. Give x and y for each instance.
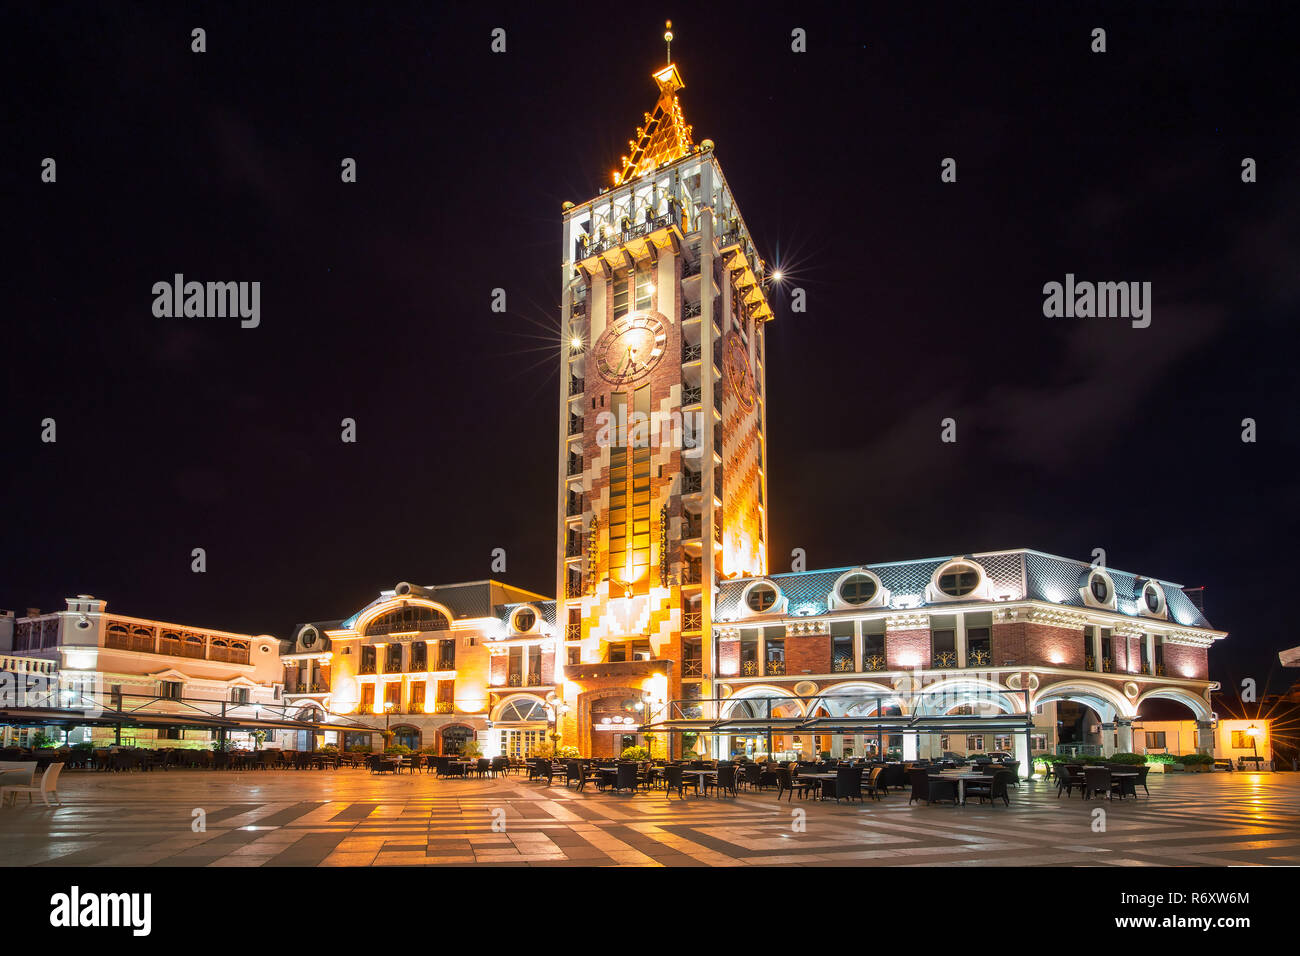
(573, 507)
(775, 669)
(693, 668)
(692, 621)
(575, 386)
(944, 659)
(692, 572)
(573, 632)
(749, 669)
(573, 548)
(691, 353)
(691, 310)
(873, 662)
(978, 658)
(690, 268)
(692, 528)
(692, 481)
(444, 707)
(574, 588)
(691, 395)
(575, 465)
(575, 424)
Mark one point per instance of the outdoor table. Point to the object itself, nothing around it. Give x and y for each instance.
(699, 776)
(821, 779)
(961, 777)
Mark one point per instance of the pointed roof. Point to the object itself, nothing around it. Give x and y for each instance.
(665, 135)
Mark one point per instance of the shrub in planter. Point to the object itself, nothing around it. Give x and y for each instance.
(397, 750)
(568, 753)
(1132, 759)
(634, 753)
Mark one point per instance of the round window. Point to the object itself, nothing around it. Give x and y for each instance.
(1099, 588)
(524, 620)
(959, 580)
(761, 597)
(858, 589)
(1152, 596)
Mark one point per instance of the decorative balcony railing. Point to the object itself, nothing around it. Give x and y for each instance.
(944, 659)
(573, 632)
(690, 268)
(574, 505)
(574, 588)
(749, 669)
(692, 620)
(775, 668)
(692, 481)
(842, 665)
(575, 386)
(575, 465)
(978, 658)
(691, 394)
(534, 679)
(692, 573)
(627, 234)
(873, 662)
(691, 353)
(1108, 665)
(692, 668)
(1090, 663)
(443, 707)
(691, 310)
(575, 424)
(515, 680)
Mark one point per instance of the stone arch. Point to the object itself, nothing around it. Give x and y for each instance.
(752, 691)
(835, 698)
(1194, 702)
(1108, 702)
(943, 695)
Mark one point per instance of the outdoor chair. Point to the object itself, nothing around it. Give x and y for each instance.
(894, 776)
(589, 775)
(500, 766)
(1141, 780)
(1067, 778)
(997, 787)
(1096, 780)
(483, 767)
(786, 782)
(873, 784)
(931, 789)
(626, 778)
(1123, 785)
(1014, 767)
(674, 779)
(572, 772)
(847, 784)
(49, 785)
(725, 780)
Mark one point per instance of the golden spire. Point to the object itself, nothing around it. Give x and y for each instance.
(665, 136)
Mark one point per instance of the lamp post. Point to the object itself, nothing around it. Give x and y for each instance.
(554, 713)
(1253, 733)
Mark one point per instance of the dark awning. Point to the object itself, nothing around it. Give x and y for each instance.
(29, 716)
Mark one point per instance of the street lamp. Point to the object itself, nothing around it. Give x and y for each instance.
(1253, 733)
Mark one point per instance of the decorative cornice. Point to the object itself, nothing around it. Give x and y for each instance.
(907, 622)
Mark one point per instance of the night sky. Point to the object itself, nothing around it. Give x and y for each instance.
(924, 298)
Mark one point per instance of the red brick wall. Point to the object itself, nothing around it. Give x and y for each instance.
(1028, 643)
(1119, 647)
(728, 658)
(811, 654)
(1188, 662)
(499, 670)
(901, 644)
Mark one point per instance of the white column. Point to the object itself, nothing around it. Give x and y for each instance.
(1024, 755)
(1125, 728)
(910, 742)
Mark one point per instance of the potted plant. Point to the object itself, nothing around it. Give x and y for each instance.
(470, 750)
(568, 753)
(634, 753)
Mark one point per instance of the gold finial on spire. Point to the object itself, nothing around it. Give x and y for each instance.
(665, 135)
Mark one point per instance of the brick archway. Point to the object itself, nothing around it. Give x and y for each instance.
(586, 699)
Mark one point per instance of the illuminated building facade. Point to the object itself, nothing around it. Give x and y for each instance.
(662, 411)
(433, 667)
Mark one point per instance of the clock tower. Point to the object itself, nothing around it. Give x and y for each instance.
(662, 446)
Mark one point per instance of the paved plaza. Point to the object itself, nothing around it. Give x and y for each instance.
(354, 818)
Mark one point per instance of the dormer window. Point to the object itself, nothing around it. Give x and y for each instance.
(858, 589)
(524, 620)
(959, 580)
(761, 597)
(1153, 599)
(1099, 588)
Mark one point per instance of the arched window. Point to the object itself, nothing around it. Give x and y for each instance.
(524, 620)
(523, 709)
(412, 617)
(453, 738)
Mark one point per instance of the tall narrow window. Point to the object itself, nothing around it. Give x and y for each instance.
(621, 286)
(873, 645)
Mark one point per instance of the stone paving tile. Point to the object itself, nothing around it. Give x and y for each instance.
(351, 818)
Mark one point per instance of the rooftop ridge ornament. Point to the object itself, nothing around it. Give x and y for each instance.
(666, 136)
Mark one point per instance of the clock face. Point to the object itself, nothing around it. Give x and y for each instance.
(631, 347)
(742, 382)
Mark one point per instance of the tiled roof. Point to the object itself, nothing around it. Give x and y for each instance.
(1033, 574)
